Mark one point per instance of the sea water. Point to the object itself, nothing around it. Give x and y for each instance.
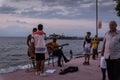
(13, 52)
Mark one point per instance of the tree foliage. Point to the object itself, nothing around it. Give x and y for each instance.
(117, 8)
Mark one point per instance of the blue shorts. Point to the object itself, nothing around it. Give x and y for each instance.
(87, 51)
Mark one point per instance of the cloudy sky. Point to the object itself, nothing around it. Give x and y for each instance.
(68, 17)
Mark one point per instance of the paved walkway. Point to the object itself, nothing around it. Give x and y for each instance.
(90, 72)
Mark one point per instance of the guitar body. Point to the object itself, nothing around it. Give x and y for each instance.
(52, 48)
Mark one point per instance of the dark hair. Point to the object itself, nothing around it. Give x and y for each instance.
(40, 27)
(89, 33)
(54, 39)
(34, 29)
(96, 36)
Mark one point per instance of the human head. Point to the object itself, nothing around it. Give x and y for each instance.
(88, 34)
(112, 26)
(34, 29)
(96, 36)
(40, 27)
(54, 39)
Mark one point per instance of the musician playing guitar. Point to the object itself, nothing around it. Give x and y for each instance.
(54, 48)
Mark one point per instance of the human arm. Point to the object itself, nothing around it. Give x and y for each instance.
(28, 40)
(91, 44)
(84, 44)
(103, 48)
(45, 37)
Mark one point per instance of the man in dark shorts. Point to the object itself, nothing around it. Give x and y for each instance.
(40, 49)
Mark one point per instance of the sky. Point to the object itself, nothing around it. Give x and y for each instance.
(64, 17)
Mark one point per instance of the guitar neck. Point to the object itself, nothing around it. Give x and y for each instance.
(61, 45)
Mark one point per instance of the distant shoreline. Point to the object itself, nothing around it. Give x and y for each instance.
(74, 38)
(60, 38)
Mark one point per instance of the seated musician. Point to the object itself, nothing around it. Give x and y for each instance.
(56, 51)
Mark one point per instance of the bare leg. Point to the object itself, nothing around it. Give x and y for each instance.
(88, 57)
(38, 66)
(33, 62)
(42, 66)
(85, 58)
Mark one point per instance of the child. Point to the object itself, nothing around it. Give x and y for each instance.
(103, 67)
(95, 43)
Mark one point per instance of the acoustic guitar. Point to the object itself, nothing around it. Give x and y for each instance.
(51, 48)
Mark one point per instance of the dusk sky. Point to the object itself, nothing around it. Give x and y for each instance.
(68, 17)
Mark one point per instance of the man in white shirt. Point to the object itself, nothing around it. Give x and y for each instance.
(40, 49)
(111, 51)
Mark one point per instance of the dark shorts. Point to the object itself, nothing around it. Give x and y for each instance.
(40, 56)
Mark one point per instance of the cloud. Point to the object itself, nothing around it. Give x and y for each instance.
(7, 9)
(23, 26)
(59, 16)
(9, 20)
(64, 9)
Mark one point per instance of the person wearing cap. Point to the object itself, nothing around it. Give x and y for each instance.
(56, 51)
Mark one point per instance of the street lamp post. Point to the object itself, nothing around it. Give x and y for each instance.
(97, 17)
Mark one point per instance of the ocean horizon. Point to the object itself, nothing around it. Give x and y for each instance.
(13, 51)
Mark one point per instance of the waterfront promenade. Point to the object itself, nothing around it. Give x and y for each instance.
(86, 72)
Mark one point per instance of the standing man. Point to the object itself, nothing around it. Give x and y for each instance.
(111, 51)
(40, 49)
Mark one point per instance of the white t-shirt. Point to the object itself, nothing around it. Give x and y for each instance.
(87, 45)
(103, 63)
(39, 42)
